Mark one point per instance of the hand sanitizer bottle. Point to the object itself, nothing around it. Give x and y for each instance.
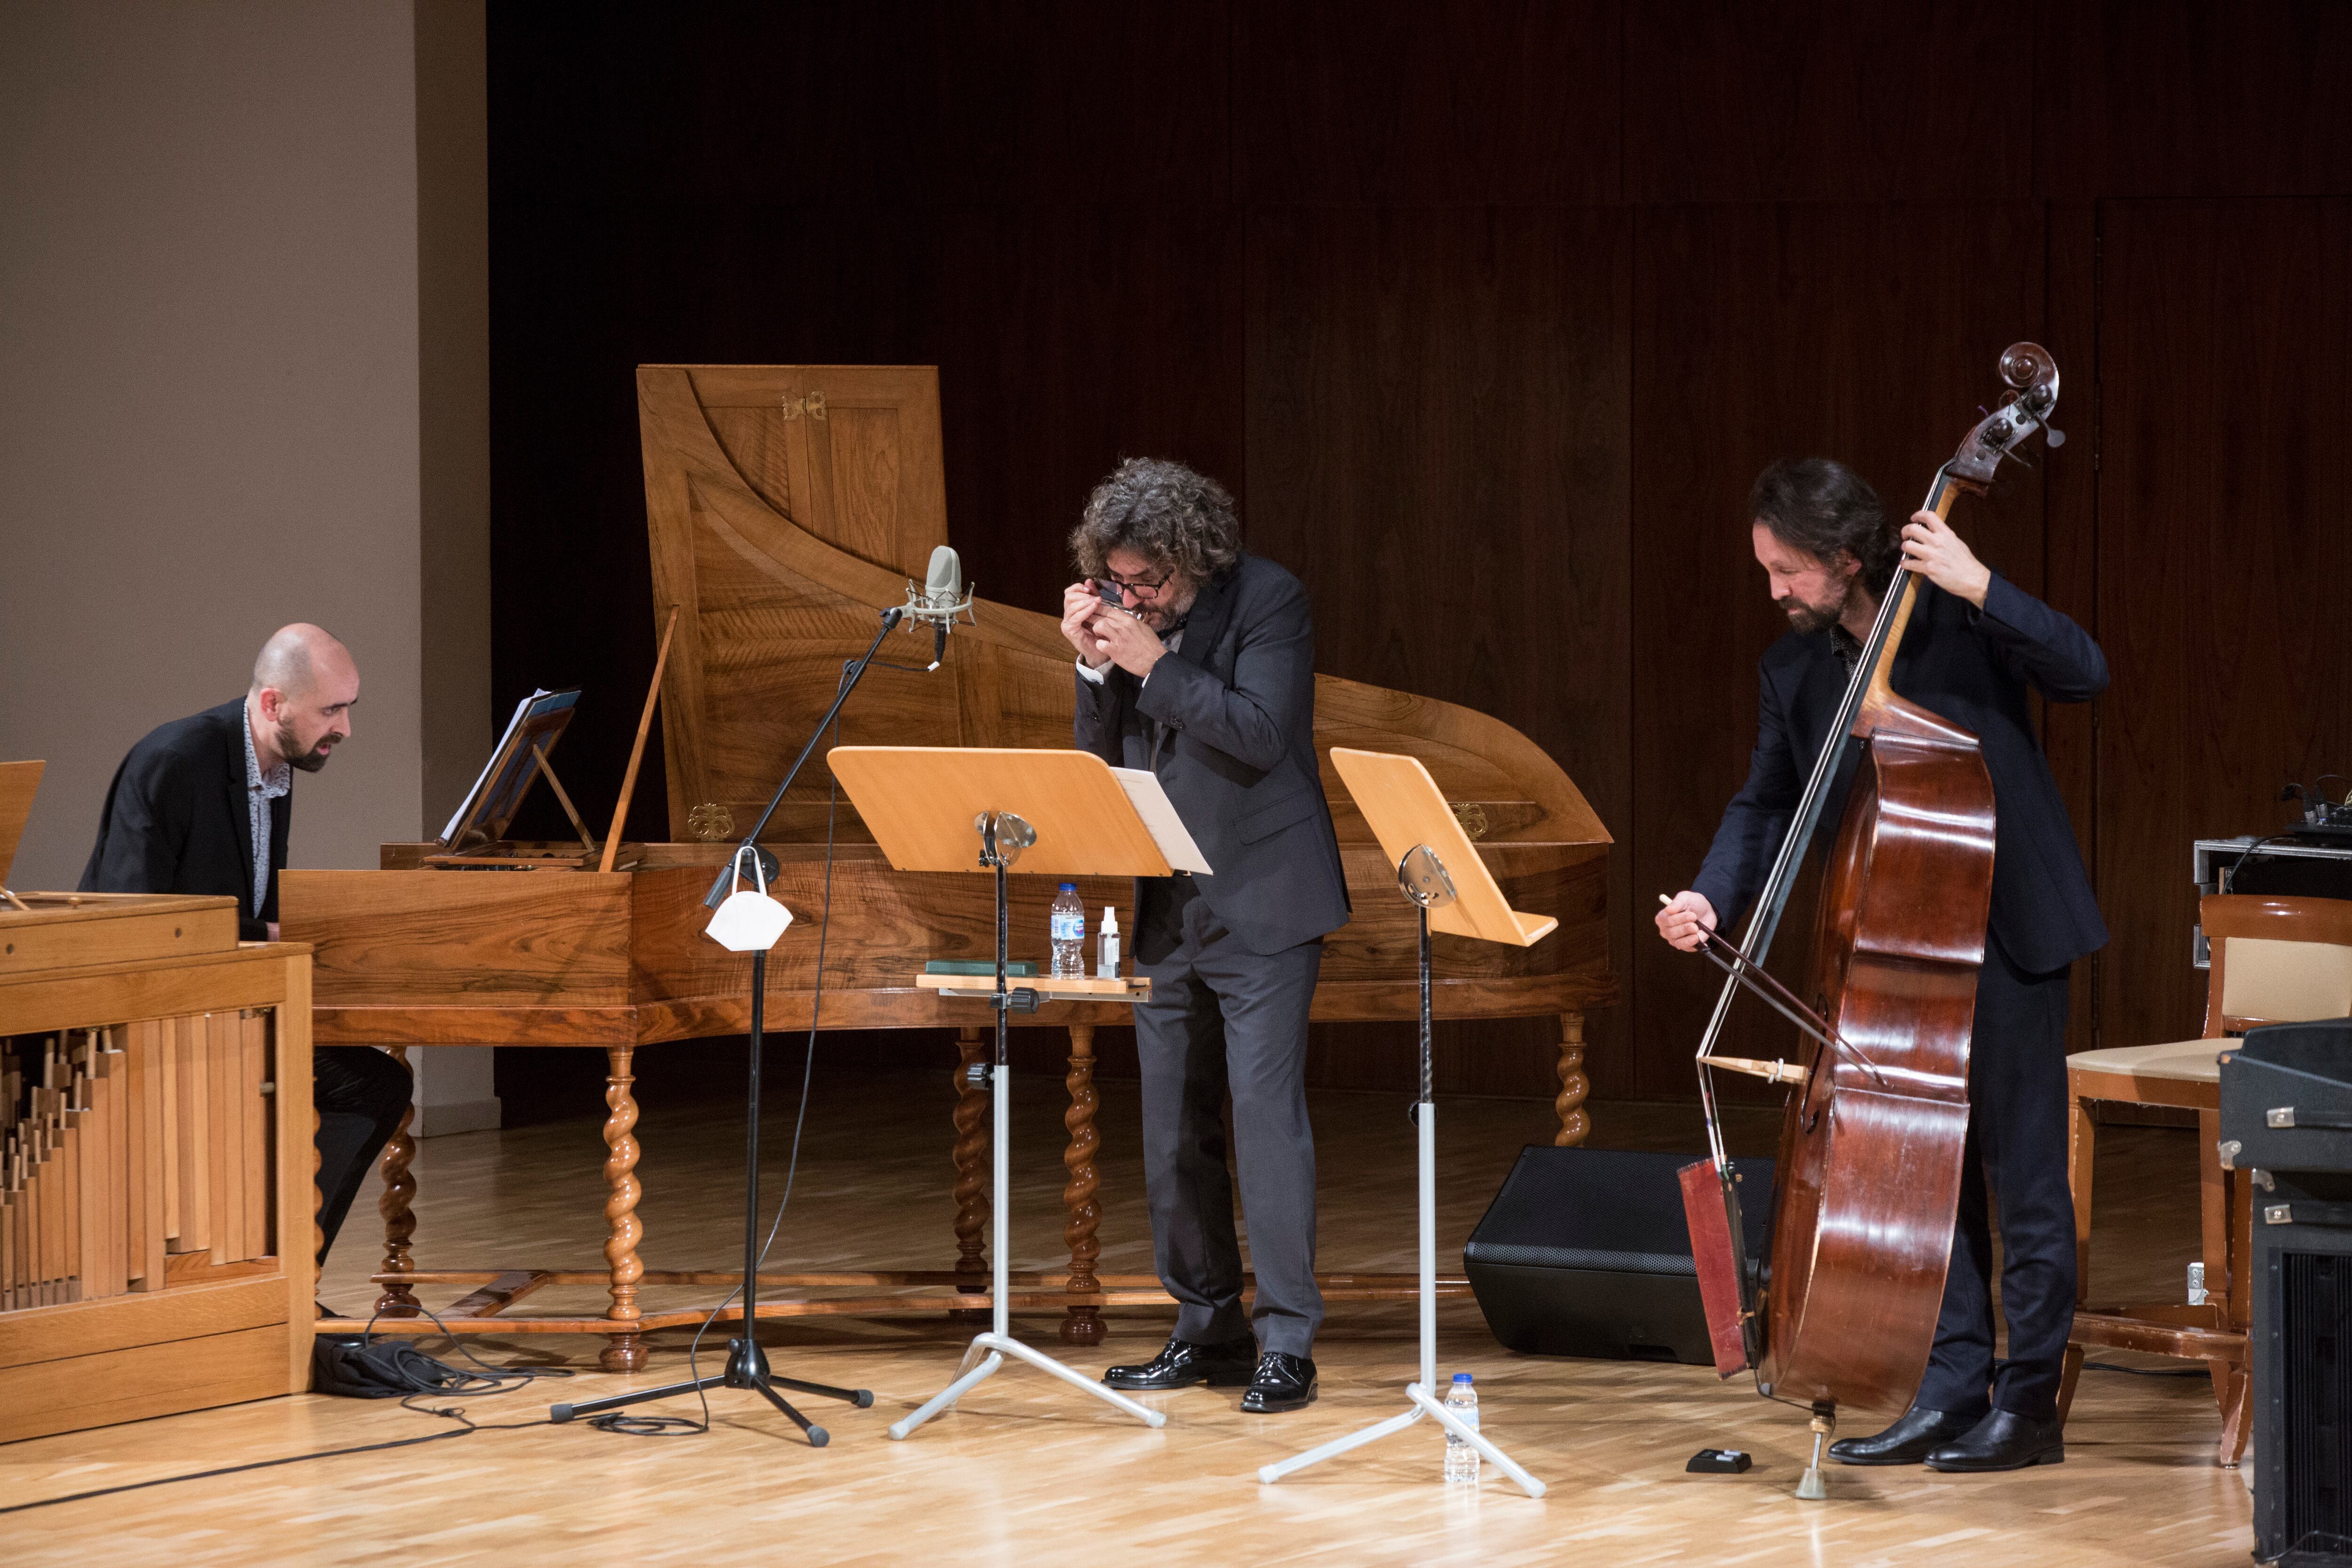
(1107, 967)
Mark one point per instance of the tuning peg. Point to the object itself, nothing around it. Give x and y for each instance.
(2056, 438)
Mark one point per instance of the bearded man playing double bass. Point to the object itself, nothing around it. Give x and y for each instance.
(1975, 645)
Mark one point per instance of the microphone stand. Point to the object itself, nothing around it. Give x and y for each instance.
(747, 1363)
(768, 863)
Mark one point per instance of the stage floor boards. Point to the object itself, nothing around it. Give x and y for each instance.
(1029, 1473)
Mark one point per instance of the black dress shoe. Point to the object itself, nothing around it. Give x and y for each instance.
(2004, 1440)
(1282, 1382)
(1908, 1441)
(1180, 1363)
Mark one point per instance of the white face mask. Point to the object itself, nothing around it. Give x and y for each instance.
(749, 922)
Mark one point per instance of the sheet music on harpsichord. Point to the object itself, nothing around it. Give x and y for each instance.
(1159, 812)
(512, 767)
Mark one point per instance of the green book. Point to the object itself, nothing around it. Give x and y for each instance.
(1024, 967)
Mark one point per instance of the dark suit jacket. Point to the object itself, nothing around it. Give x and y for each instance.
(176, 820)
(1971, 666)
(1237, 700)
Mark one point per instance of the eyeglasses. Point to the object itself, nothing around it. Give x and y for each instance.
(1107, 586)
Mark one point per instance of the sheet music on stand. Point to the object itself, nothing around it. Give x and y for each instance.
(507, 777)
(1159, 812)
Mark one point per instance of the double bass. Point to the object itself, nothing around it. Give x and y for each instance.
(1868, 1181)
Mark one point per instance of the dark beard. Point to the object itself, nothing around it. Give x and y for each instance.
(1805, 620)
(310, 761)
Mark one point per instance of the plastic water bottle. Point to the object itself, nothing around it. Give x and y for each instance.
(1107, 966)
(1069, 934)
(1461, 1459)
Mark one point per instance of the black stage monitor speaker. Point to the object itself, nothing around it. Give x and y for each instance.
(2303, 1370)
(2286, 1097)
(1585, 1252)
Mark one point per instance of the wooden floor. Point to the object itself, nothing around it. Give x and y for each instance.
(1029, 1473)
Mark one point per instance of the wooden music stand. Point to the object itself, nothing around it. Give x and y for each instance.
(1440, 873)
(478, 834)
(17, 782)
(1058, 814)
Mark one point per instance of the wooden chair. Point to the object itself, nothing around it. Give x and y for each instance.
(2275, 961)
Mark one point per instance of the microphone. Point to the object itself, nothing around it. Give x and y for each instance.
(939, 601)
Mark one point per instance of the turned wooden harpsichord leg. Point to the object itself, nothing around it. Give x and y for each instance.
(1573, 1085)
(622, 1351)
(318, 1198)
(396, 1206)
(971, 1155)
(1082, 1325)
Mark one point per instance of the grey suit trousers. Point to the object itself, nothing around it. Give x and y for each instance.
(1221, 1018)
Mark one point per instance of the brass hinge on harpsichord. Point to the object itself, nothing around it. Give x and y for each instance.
(813, 404)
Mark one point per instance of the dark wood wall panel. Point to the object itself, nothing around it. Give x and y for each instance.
(2223, 558)
(1827, 100)
(1866, 333)
(1479, 101)
(2189, 97)
(1438, 446)
(913, 103)
(1488, 311)
(1071, 338)
(2070, 538)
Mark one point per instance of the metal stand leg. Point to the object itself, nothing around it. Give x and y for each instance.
(1423, 1400)
(989, 1352)
(1810, 1487)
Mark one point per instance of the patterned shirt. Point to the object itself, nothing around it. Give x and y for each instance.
(260, 789)
(1846, 646)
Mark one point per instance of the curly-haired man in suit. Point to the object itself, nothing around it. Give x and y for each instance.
(1197, 661)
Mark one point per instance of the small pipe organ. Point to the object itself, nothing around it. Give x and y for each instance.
(131, 1151)
(157, 1186)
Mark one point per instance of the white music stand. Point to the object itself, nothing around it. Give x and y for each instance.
(1443, 875)
(952, 809)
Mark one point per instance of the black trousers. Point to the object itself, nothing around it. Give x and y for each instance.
(359, 1093)
(2017, 1144)
(1223, 1018)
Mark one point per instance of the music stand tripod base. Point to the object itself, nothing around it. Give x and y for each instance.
(1413, 822)
(1422, 1403)
(988, 1351)
(1003, 837)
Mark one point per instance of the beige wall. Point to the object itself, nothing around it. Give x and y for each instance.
(453, 311)
(222, 403)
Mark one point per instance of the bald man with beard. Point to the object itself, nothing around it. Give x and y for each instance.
(204, 806)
